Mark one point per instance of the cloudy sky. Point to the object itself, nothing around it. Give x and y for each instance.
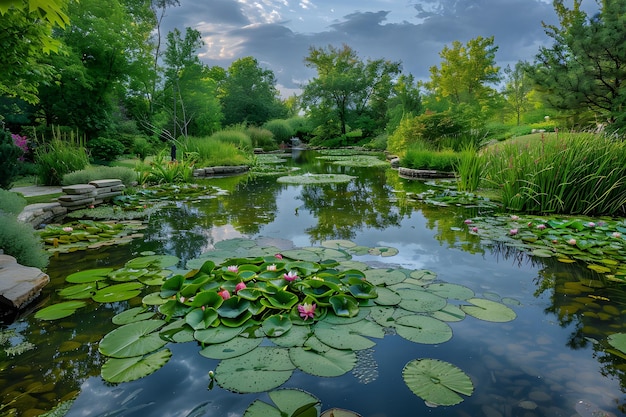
(279, 33)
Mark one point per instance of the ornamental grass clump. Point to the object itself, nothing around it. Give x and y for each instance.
(213, 152)
(469, 169)
(57, 158)
(567, 174)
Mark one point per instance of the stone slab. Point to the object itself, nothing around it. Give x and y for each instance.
(109, 195)
(19, 284)
(76, 197)
(79, 189)
(105, 183)
(78, 203)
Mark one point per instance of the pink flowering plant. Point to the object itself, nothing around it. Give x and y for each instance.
(22, 143)
(598, 243)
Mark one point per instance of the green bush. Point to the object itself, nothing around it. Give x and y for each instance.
(105, 149)
(212, 152)
(58, 158)
(142, 147)
(282, 130)
(20, 241)
(301, 127)
(11, 203)
(99, 172)
(420, 157)
(235, 137)
(9, 154)
(262, 138)
(379, 143)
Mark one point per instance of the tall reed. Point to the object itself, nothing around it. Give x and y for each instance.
(469, 169)
(567, 174)
(57, 158)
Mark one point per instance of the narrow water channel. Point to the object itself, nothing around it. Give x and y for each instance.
(547, 362)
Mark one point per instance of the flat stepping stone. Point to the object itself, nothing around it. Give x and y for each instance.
(79, 189)
(19, 284)
(105, 183)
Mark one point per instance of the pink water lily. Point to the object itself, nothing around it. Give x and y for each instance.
(233, 268)
(224, 294)
(591, 224)
(271, 267)
(468, 221)
(474, 229)
(513, 232)
(290, 276)
(514, 217)
(68, 229)
(240, 286)
(541, 226)
(572, 241)
(306, 310)
(616, 235)
(278, 256)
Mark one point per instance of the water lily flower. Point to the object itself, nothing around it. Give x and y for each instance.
(278, 256)
(233, 268)
(271, 267)
(591, 224)
(616, 235)
(572, 241)
(530, 224)
(91, 206)
(474, 229)
(182, 299)
(224, 294)
(291, 276)
(306, 310)
(240, 286)
(468, 221)
(541, 226)
(514, 217)
(68, 229)
(513, 232)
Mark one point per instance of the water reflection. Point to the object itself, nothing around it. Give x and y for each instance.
(541, 364)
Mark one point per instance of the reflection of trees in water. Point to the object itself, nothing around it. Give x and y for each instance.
(343, 209)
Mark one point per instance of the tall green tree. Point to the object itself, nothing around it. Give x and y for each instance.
(466, 76)
(249, 94)
(406, 101)
(25, 40)
(348, 90)
(517, 90)
(584, 71)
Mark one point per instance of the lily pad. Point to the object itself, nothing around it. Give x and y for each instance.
(162, 261)
(423, 329)
(618, 341)
(489, 310)
(117, 370)
(231, 348)
(451, 291)
(218, 334)
(348, 336)
(437, 382)
(289, 402)
(384, 276)
(329, 363)
(308, 179)
(296, 336)
(276, 325)
(118, 292)
(60, 310)
(260, 370)
(420, 301)
(79, 291)
(132, 315)
(89, 275)
(134, 339)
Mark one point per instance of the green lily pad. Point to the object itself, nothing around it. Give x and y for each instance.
(450, 312)
(231, 348)
(132, 315)
(218, 334)
(308, 179)
(118, 292)
(381, 277)
(296, 336)
(329, 363)
(344, 305)
(260, 370)
(276, 325)
(116, 370)
(489, 310)
(450, 291)
(289, 402)
(348, 336)
(437, 382)
(60, 310)
(423, 329)
(419, 301)
(338, 244)
(161, 261)
(233, 307)
(618, 341)
(383, 251)
(387, 297)
(154, 299)
(200, 319)
(79, 291)
(89, 275)
(133, 339)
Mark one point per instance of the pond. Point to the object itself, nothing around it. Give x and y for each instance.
(552, 359)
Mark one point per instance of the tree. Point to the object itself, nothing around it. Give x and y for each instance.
(347, 89)
(517, 89)
(249, 94)
(405, 102)
(26, 38)
(464, 77)
(585, 69)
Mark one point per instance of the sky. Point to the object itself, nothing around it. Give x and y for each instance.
(279, 33)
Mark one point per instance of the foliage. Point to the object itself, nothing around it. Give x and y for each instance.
(406, 101)
(222, 148)
(262, 138)
(301, 126)
(517, 90)
(141, 147)
(567, 174)
(417, 157)
(11, 203)
(105, 149)
(162, 170)
(9, 159)
(249, 94)
(408, 132)
(282, 130)
(378, 143)
(348, 91)
(57, 158)
(469, 169)
(19, 240)
(236, 137)
(99, 172)
(582, 71)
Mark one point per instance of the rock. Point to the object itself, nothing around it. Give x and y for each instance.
(105, 183)
(19, 284)
(79, 189)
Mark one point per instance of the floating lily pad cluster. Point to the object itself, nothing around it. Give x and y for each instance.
(365, 161)
(242, 294)
(442, 196)
(308, 179)
(601, 244)
(89, 234)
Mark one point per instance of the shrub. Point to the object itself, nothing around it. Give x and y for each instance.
(141, 147)
(105, 149)
(282, 130)
(301, 127)
(11, 203)
(58, 158)
(235, 137)
(212, 152)
(20, 241)
(262, 138)
(408, 132)
(9, 154)
(419, 156)
(379, 143)
(99, 172)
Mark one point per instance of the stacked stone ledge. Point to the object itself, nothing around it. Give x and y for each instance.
(81, 196)
(220, 171)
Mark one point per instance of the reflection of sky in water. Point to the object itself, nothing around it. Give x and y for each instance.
(508, 362)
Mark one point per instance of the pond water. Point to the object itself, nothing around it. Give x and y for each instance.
(551, 357)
